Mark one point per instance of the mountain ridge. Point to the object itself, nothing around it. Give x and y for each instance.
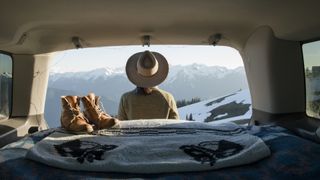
(184, 82)
(200, 69)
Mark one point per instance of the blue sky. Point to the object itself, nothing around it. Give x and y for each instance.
(117, 56)
(311, 54)
(5, 64)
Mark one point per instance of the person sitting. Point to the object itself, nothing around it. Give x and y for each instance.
(147, 70)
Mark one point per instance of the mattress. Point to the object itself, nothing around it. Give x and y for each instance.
(291, 157)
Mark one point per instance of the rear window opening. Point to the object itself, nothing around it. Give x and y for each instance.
(208, 83)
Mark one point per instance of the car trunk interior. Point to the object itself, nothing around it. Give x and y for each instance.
(269, 43)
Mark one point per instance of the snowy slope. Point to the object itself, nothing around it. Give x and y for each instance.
(232, 107)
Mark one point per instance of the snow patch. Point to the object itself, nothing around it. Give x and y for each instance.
(201, 110)
(221, 115)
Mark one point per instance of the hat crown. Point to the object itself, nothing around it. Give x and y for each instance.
(150, 71)
(147, 64)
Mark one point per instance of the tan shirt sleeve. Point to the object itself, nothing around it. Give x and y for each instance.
(173, 114)
(122, 115)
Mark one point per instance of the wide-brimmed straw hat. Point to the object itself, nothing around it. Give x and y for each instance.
(147, 69)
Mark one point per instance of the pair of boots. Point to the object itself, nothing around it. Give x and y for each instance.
(92, 118)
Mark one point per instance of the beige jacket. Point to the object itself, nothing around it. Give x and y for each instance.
(157, 105)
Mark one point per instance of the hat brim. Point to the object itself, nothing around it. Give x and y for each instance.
(143, 81)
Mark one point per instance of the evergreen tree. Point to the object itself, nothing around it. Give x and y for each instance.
(190, 117)
(183, 102)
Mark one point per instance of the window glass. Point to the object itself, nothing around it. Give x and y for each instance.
(208, 83)
(5, 85)
(311, 55)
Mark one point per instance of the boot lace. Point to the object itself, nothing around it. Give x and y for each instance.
(77, 113)
(100, 110)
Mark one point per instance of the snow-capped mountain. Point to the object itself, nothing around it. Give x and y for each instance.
(6, 74)
(194, 70)
(184, 82)
(189, 71)
(88, 75)
(233, 107)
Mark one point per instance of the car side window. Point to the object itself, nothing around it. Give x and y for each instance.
(5, 85)
(311, 56)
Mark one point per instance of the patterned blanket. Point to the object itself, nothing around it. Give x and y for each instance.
(151, 146)
(292, 158)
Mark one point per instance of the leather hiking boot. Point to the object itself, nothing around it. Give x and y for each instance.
(72, 118)
(93, 112)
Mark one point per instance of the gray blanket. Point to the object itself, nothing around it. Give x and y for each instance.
(151, 146)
